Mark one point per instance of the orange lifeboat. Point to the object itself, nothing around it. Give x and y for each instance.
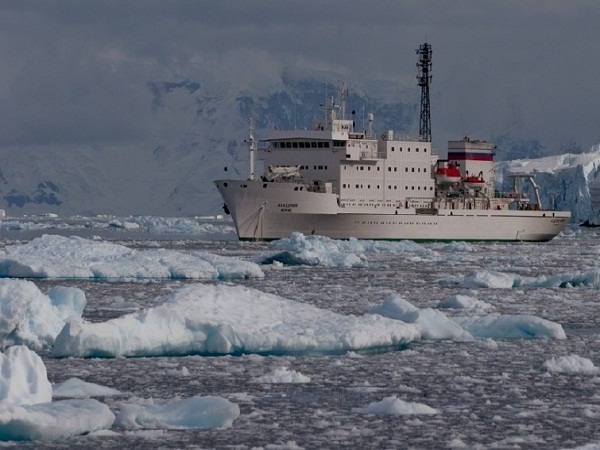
(447, 174)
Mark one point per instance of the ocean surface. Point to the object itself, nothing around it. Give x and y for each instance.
(489, 393)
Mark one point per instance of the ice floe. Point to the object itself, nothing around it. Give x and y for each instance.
(223, 319)
(571, 364)
(53, 256)
(187, 413)
(397, 407)
(282, 375)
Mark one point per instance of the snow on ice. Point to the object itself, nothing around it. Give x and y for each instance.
(76, 388)
(53, 256)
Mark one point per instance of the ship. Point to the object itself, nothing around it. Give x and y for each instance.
(336, 181)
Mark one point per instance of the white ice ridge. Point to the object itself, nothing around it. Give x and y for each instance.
(222, 319)
(53, 256)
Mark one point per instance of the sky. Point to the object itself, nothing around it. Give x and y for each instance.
(75, 73)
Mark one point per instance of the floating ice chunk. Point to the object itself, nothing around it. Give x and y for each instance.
(283, 375)
(76, 388)
(511, 327)
(222, 319)
(31, 318)
(571, 364)
(465, 302)
(193, 412)
(394, 406)
(501, 280)
(53, 256)
(323, 251)
(432, 323)
(49, 421)
(24, 380)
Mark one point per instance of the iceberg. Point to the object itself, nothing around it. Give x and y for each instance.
(29, 317)
(571, 364)
(222, 319)
(24, 380)
(76, 388)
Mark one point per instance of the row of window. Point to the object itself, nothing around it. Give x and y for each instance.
(314, 167)
(361, 186)
(408, 149)
(412, 169)
(311, 144)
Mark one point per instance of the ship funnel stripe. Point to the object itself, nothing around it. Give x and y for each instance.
(470, 156)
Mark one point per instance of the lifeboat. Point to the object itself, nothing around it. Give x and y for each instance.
(474, 182)
(448, 174)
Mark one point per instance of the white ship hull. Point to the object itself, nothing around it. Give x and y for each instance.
(268, 211)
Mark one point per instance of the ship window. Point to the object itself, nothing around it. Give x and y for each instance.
(392, 148)
(325, 167)
(315, 168)
(424, 169)
(419, 170)
(389, 187)
(288, 145)
(362, 168)
(412, 188)
(369, 168)
(320, 167)
(326, 144)
(406, 169)
(400, 148)
(395, 169)
(409, 149)
(320, 144)
(424, 150)
(294, 145)
(377, 186)
(378, 169)
(406, 187)
(417, 150)
(389, 169)
(357, 186)
(265, 185)
(395, 187)
(368, 186)
(412, 169)
(313, 145)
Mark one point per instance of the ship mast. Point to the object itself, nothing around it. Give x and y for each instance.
(251, 148)
(424, 79)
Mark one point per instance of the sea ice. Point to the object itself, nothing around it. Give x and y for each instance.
(223, 319)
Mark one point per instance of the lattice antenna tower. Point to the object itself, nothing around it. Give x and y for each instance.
(424, 79)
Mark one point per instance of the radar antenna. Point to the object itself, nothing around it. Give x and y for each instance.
(424, 79)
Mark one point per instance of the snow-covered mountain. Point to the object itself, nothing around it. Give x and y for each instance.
(199, 129)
